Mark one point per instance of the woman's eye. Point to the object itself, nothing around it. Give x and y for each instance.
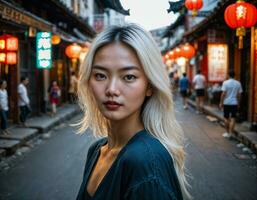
(129, 77)
(100, 77)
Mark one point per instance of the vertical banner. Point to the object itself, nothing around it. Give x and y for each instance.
(44, 50)
(217, 62)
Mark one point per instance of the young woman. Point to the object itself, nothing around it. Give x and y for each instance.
(3, 107)
(124, 93)
(54, 94)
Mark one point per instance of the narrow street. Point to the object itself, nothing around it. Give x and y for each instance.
(53, 169)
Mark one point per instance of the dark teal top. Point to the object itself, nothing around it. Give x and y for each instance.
(143, 170)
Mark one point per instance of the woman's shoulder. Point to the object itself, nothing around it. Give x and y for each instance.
(146, 151)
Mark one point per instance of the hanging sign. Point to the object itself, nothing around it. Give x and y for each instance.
(44, 50)
(217, 62)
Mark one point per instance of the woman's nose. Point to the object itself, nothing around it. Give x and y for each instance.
(113, 88)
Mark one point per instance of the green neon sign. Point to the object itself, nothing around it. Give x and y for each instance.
(44, 50)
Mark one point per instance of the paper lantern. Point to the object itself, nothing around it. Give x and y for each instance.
(177, 52)
(56, 39)
(73, 51)
(240, 15)
(187, 51)
(194, 5)
(172, 55)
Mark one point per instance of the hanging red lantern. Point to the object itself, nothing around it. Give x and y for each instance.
(240, 15)
(194, 5)
(177, 52)
(73, 51)
(56, 39)
(171, 55)
(166, 57)
(187, 51)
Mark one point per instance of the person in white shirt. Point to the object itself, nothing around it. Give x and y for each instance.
(230, 102)
(23, 101)
(199, 83)
(3, 107)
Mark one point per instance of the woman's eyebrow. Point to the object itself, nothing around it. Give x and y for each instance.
(127, 68)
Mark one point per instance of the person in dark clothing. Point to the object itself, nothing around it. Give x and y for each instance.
(183, 88)
(124, 92)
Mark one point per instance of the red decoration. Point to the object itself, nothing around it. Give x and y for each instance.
(187, 51)
(8, 43)
(240, 15)
(177, 52)
(172, 55)
(73, 51)
(194, 5)
(56, 39)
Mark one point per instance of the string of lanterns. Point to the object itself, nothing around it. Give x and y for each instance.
(186, 51)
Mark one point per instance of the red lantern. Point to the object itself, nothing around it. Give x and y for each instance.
(56, 39)
(177, 52)
(8, 43)
(187, 51)
(194, 5)
(172, 55)
(240, 15)
(73, 51)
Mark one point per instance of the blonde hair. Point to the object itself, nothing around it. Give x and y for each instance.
(157, 113)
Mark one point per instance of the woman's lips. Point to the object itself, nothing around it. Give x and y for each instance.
(112, 105)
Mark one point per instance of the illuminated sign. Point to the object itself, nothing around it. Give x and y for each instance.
(44, 50)
(217, 62)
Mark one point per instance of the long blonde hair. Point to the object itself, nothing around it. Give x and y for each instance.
(158, 112)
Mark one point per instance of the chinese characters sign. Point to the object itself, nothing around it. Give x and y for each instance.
(217, 62)
(44, 50)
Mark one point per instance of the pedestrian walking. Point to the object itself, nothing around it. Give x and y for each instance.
(184, 89)
(73, 88)
(3, 107)
(54, 95)
(124, 92)
(199, 83)
(23, 100)
(230, 102)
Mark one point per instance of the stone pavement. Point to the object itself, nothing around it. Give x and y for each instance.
(36, 125)
(242, 132)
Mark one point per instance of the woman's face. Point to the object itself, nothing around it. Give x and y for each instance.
(118, 82)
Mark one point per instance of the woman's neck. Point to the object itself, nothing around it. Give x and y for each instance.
(121, 132)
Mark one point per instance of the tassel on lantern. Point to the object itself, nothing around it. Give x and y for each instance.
(240, 32)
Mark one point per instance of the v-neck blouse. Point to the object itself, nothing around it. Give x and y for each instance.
(143, 170)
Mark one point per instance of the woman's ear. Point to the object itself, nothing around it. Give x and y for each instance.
(149, 90)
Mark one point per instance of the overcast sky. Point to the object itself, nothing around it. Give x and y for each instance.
(150, 14)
